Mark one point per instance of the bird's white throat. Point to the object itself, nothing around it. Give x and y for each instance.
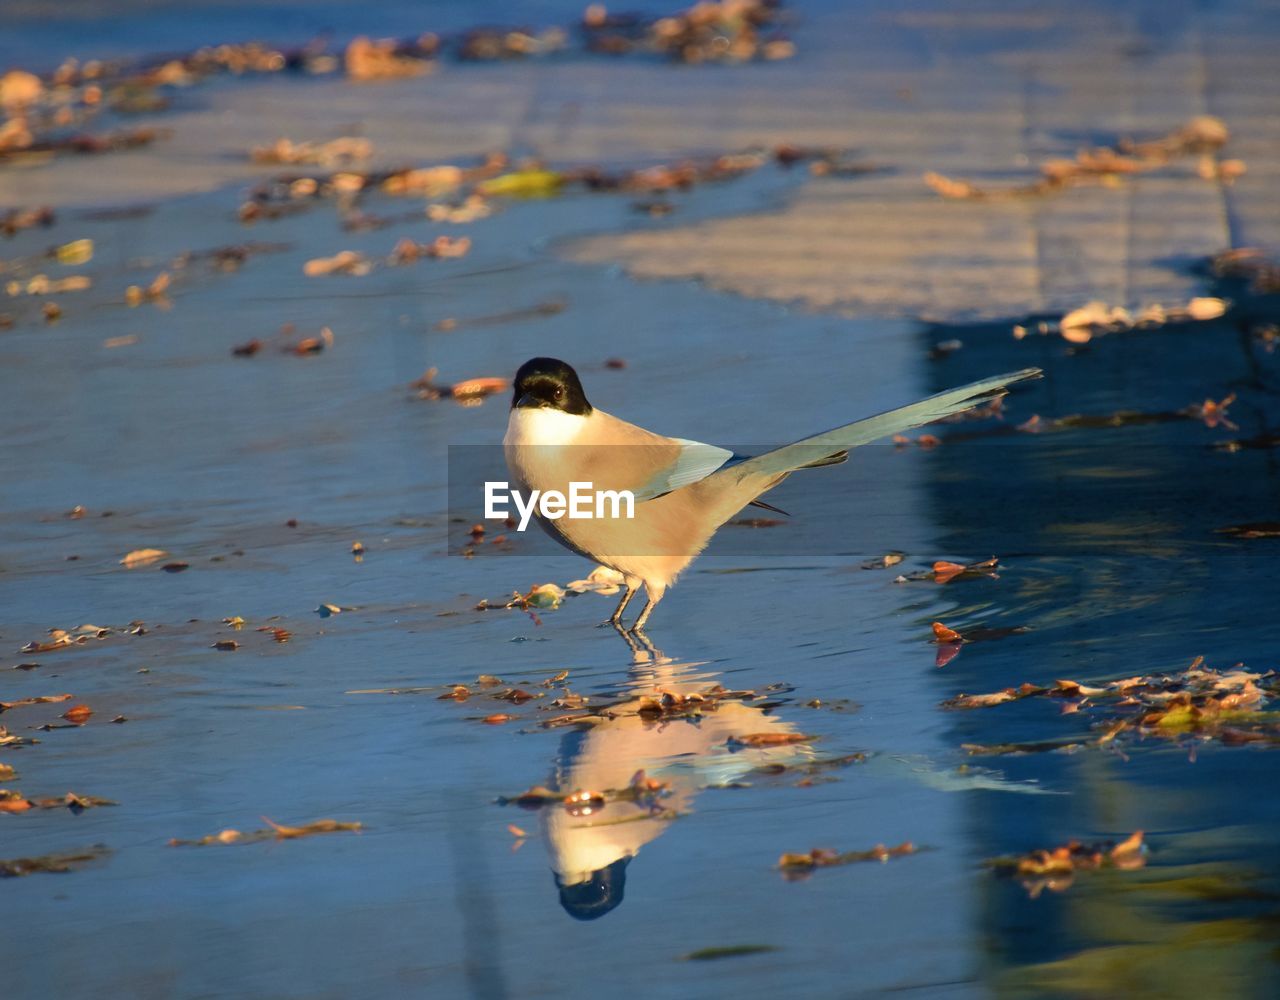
(543, 426)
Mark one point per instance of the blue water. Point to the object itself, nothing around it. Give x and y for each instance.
(1107, 538)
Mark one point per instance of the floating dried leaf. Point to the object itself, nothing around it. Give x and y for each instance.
(942, 633)
(47, 699)
(143, 557)
(1055, 868)
(771, 739)
(59, 863)
(800, 865)
(344, 262)
(275, 832)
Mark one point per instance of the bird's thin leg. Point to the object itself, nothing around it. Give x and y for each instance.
(648, 610)
(616, 618)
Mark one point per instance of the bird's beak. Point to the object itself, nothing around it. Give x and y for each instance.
(527, 400)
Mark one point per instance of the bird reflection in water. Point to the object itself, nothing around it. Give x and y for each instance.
(590, 842)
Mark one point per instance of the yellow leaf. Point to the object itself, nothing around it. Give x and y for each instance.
(524, 184)
(75, 252)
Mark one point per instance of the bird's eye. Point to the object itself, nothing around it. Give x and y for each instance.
(559, 393)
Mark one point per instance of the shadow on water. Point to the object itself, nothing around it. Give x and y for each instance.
(1111, 532)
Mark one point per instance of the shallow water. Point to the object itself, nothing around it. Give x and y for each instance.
(1110, 560)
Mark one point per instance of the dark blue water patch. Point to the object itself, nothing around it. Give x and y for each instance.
(1118, 568)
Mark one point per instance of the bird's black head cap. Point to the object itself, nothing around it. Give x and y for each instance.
(549, 382)
(598, 895)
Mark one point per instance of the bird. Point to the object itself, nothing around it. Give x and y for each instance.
(683, 490)
(621, 750)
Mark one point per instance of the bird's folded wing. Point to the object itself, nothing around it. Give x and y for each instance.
(694, 461)
(812, 450)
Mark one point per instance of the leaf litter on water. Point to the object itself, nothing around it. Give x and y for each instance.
(1232, 707)
(274, 831)
(1056, 868)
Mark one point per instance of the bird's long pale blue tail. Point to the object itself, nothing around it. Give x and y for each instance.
(824, 448)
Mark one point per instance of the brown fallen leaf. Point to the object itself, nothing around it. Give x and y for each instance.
(343, 262)
(801, 865)
(42, 284)
(275, 831)
(14, 802)
(995, 698)
(1055, 868)
(497, 719)
(470, 392)
(59, 863)
(476, 388)
(226, 645)
(8, 739)
(1130, 852)
(311, 345)
(155, 292)
(944, 571)
(942, 633)
(79, 714)
(310, 829)
(366, 59)
(46, 699)
(75, 803)
(1106, 165)
(335, 152)
(441, 248)
(771, 739)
